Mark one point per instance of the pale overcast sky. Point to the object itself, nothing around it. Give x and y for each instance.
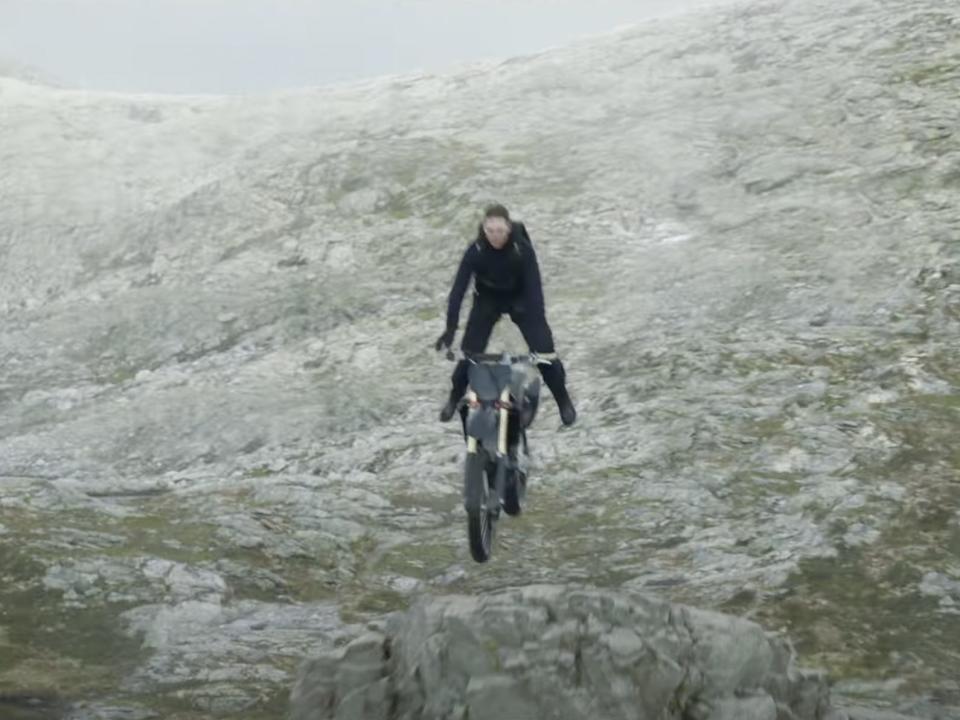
(249, 46)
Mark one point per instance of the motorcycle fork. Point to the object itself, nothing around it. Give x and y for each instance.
(502, 438)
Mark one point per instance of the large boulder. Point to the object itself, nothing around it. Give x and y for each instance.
(565, 653)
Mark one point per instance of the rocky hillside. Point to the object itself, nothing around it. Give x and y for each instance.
(218, 437)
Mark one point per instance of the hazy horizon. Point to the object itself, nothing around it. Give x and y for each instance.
(248, 46)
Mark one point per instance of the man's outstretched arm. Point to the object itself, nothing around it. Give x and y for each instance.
(459, 289)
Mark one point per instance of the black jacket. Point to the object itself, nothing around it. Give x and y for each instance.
(509, 274)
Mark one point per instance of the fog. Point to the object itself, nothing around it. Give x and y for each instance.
(249, 46)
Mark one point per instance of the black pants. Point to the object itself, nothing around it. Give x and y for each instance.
(484, 314)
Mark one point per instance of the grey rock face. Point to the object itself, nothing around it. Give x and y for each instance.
(562, 653)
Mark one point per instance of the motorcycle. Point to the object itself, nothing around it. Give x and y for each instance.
(501, 402)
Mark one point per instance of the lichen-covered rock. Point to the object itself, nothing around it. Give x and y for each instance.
(564, 653)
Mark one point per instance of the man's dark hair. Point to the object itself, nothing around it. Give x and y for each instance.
(496, 211)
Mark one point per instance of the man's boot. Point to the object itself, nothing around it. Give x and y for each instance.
(459, 382)
(555, 377)
(447, 411)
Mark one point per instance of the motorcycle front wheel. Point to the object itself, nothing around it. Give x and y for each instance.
(481, 517)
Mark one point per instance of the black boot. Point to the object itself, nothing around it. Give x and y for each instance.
(459, 382)
(447, 411)
(555, 377)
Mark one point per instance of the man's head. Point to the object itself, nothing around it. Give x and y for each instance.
(496, 225)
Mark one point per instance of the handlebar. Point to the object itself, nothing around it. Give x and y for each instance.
(502, 358)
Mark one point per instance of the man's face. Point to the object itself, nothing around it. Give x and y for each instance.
(497, 231)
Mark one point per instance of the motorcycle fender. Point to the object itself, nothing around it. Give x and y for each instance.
(482, 424)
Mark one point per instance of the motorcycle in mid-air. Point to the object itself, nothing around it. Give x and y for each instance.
(501, 402)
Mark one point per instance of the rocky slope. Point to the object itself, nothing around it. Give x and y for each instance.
(218, 445)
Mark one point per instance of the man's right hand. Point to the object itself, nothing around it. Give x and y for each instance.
(445, 340)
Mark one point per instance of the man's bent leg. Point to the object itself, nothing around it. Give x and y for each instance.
(483, 316)
(537, 334)
(555, 377)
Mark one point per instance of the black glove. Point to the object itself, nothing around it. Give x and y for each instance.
(445, 340)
